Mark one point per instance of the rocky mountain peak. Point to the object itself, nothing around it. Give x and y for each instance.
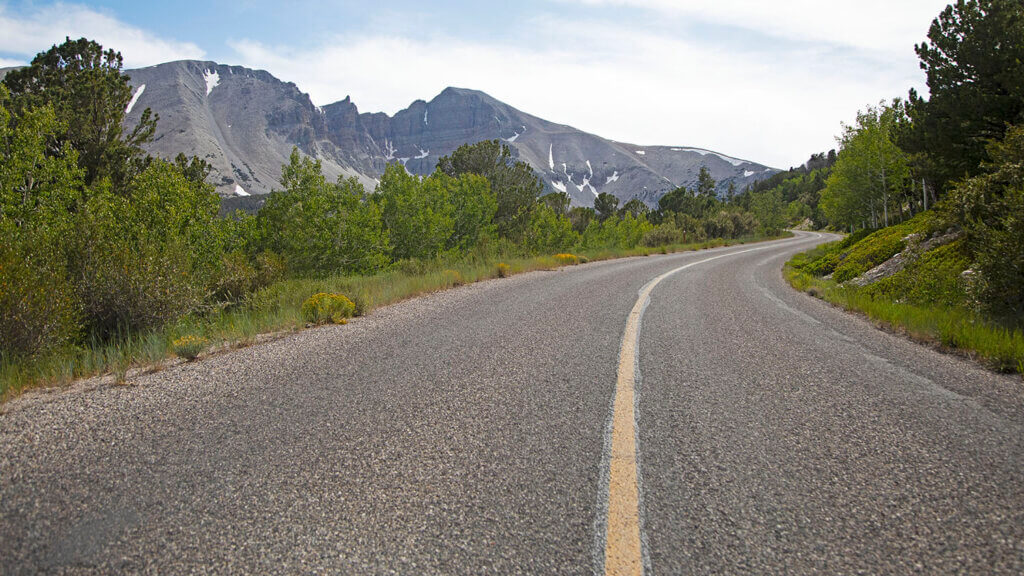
(245, 122)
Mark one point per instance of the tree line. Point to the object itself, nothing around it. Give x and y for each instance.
(958, 151)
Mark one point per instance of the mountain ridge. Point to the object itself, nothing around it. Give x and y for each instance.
(244, 122)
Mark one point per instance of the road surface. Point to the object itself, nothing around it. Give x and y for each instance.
(503, 427)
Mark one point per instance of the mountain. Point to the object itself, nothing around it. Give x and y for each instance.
(245, 122)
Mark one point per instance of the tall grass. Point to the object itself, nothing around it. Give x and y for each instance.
(999, 347)
(277, 308)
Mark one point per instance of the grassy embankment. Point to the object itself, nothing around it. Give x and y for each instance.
(276, 309)
(929, 300)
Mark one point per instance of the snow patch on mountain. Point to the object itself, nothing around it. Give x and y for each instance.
(748, 173)
(512, 138)
(423, 154)
(729, 159)
(239, 191)
(135, 98)
(586, 184)
(560, 186)
(389, 150)
(612, 178)
(641, 152)
(551, 157)
(212, 80)
(425, 111)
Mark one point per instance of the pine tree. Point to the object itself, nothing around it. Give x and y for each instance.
(606, 205)
(513, 182)
(705, 183)
(974, 61)
(89, 94)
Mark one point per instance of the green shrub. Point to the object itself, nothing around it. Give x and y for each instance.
(320, 227)
(135, 285)
(189, 347)
(663, 234)
(722, 225)
(326, 308)
(147, 258)
(237, 277)
(38, 308)
(270, 267)
(824, 265)
(691, 228)
(824, 259)
(1000, 259)
(417, 213)
(852, 239)
(990, 209)
(549, 232)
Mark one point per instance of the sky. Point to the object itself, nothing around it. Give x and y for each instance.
(770, 82)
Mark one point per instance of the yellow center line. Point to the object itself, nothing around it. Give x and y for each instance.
(623, 551)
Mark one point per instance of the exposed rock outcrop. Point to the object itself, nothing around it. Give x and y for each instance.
(916, 245)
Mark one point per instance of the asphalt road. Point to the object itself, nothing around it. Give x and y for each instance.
(466, 433)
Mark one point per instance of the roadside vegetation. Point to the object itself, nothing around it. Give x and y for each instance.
(277, 308)
(112, 259)
(932, 194)
(928, 299)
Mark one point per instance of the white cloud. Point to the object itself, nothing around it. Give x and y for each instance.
(624, 84)
(654, 74)
(30, 34)
(875, 25)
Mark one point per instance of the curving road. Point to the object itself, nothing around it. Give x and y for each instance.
(477, 431)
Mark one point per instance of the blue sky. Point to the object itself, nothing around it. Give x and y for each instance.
(767, 81)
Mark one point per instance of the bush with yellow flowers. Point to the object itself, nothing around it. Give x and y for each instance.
(324, 308)
(567, 259)
(189, 347)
